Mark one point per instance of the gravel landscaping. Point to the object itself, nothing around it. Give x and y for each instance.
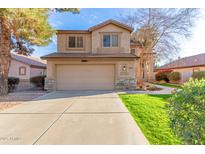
(17, 98)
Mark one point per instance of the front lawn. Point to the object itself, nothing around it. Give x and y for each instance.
(150, 113)
(170, 85)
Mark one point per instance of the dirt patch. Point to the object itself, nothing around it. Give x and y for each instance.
(16, 98)
(4, 106)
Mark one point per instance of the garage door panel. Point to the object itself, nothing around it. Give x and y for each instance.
(85, 77)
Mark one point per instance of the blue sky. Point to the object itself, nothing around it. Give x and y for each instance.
(82, 21)
(90, 17)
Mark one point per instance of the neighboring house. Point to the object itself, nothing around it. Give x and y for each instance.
(25, 67)
(100, 58)
(186, 66)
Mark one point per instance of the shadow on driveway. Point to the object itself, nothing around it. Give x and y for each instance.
(78, 94)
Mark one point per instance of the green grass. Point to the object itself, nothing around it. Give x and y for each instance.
(150, 113)
(170, 85)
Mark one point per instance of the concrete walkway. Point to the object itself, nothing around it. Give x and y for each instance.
(70, 117)
(165, 90)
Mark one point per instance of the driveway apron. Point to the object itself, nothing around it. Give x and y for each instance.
(70, 117)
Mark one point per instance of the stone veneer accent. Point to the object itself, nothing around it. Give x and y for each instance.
(50, 84)
(125, 84)
(121, 84)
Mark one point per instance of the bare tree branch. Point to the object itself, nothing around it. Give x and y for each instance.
(159, 29)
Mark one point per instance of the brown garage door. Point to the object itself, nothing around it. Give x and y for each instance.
(85, 77)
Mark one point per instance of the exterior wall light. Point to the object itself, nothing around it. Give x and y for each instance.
(124, 68)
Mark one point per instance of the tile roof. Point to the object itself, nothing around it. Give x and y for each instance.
(88, 55)
(29, 60)
(196, 60)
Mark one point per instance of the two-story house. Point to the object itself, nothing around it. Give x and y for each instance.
(99, 58)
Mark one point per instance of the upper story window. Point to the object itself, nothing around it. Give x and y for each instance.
(110, 40)
(22, 70)
(75, 41)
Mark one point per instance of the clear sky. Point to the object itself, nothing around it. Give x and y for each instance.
(195, 44)
(90, 17)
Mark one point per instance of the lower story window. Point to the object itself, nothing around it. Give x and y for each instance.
(22, 70)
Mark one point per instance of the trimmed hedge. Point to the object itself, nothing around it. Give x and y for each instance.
(174, 76)
(186, 112)
(163, 75)
(38, 81)
(198, 75)
(12, 83)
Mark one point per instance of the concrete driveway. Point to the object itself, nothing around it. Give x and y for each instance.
(70, 117)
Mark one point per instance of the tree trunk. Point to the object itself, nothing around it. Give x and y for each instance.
(5, 57)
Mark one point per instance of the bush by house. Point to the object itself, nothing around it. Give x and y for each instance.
(198, 75)
(12, 83)
(38, 81)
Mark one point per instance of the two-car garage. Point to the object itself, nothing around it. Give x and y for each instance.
(85, 77)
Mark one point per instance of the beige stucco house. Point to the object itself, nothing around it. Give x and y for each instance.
(100, 58)
(25, 67)
(186, 66)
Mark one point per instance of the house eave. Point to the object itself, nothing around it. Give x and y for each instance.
(89, 56)
(180, 67)
(111, 21)
(73, 32)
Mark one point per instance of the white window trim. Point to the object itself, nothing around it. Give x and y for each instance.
(110, 41)
(75, 42)
(20, 69)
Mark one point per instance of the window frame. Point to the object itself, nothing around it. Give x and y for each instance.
(196, 69)
(76, 41)
(111, 40)
(20, 72)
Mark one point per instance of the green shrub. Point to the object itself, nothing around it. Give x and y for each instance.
(160, 76)
(187, 112)
(198, 75)
(174, 76)
(163, 75)
(12, 83)
(38, 81)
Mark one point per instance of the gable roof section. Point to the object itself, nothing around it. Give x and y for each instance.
(192, 61)
(111, 21)
(31, 61)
